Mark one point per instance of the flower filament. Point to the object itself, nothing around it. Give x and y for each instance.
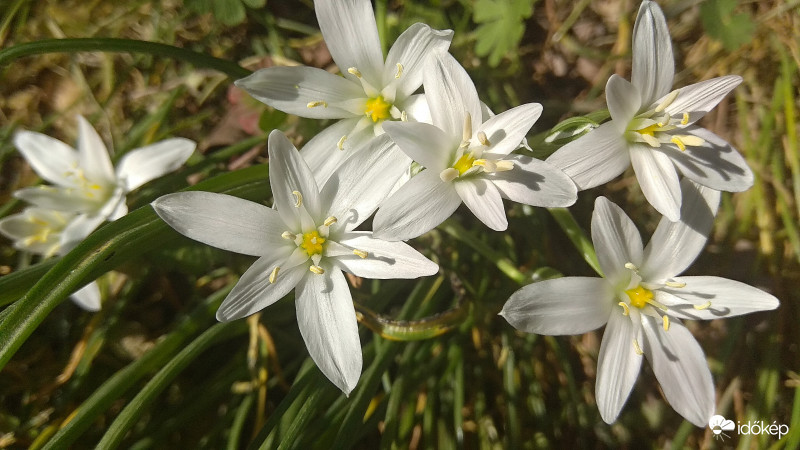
(469, 158)
(653, 127)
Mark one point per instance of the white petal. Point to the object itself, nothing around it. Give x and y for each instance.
(56, 198)
(714, 164)
(595, 158)
(254, 292)
(78, 229)
(88, 297)
(417, 207)
(534, 182)
(653, 63)
(144, 164)
(484, 200)
(351, 35)
(728, 298)
(416, 108)
(93, 155)
(292, 89)
(623, 101)
(424, 143)
(451, 95)
(322, 152)
(50, 158)
(700, 98)
(658, 179)
(618, 365)
(363, 181)
(506, 131)
(288, 172)
(411, 50)
(675, 245)
(327, 321)
(616, 240)
(223, 221)
(570, 305)
(681, 369)
(384, 259)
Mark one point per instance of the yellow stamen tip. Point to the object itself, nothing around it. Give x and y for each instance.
(360, 253)
(299, 198)
(665, 322)
(322, 103)
(705, 305)
(685, 120)
(317, 270)
(625, 310)
(340, 144)
(274, 275)
(483, 139)
(399, 71)
(354, 71)
(677, 141)
(637, 348)
(288, 236)
(330, 221)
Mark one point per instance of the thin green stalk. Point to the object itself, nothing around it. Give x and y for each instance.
(197, 59)
(579, 239)
(239, 420)
(16, 284)
(453, 228)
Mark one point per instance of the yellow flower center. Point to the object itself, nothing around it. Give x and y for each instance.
(650, 131)
(377, 109)
(640, 296)
(312, 243)
(464, 163)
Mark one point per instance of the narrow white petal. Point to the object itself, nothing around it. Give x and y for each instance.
(534, 182)
(484, 200)
(451, 95)
(77, 230)
(293, 89)
(506, 131)
(715, 164)
(288, 172)
(322, 152)
(623, 101)
(351, 35)
(416, 108)
(92, 154)
(417, 207)
(675, 245)
(700, 98)
(595, 158)
(653, 63)
(56, 198)
(616, 240)
(658, 179)
(728, 298)
(223, 221)
(411, 50)
(50, 158)
(254, 292)
(88, 297)
(144, 164)
(563, 306)
(424, 143)
(681, 368)
(327, 321)
(618, 365)
(363, 181)
(384, 259)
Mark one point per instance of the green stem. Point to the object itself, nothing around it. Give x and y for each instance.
(229, 68)
(579, 239)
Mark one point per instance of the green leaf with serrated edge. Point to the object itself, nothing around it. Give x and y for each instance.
(105, 249)
(502, 24)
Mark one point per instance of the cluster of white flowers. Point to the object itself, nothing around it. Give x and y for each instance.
(360, 166)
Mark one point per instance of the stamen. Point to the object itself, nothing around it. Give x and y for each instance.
(330, 221)
(667, 101)
(316, 269)
(467, 134)
(299, 197)
(360, 253)
(637, 348)
(651, 140)
(705, 305)
(403, 117)
(677, 141)
(631, 266)
(274, 275)
(503, 166)
(625, 310)
(354, 71)
(289, 236)
(399, 71)
(322, 103)
(340, 144)
(449, 174)
(482, 138)
(665, 320)
(657, 304)
(685, 120)
(675, 284)
(488, 165)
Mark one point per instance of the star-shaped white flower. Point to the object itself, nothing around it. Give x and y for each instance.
(654, 129)
(466, 160)
(84, 180)
(305, 242)
(641, 302)
(370, 92)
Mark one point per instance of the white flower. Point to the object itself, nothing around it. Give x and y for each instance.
(305, 242)
(371, 91)
(653, 128)
(466, 160)
(641, 302)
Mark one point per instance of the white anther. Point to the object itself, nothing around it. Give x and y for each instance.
(625, 310)
(289, 236)
(665, 322)
(274, 275)
(317, 270)
(399, 71)
(299, 198)
(340, 144)
(705, 305)
(354, 71)
(667, 101)
(449, 174)
(637, 348)
(322, 103)
(482, 138)
(503, 166)
(330, 221)
(467, 134)
(360, 253)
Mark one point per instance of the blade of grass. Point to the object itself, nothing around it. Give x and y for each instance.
(575, 234)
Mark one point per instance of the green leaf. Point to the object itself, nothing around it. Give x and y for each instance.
(229, 12)
(255, 3)
(723, 24)
(502, 26)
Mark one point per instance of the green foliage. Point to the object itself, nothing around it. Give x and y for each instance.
(502, 24)
(228, 12)
(722, 23)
